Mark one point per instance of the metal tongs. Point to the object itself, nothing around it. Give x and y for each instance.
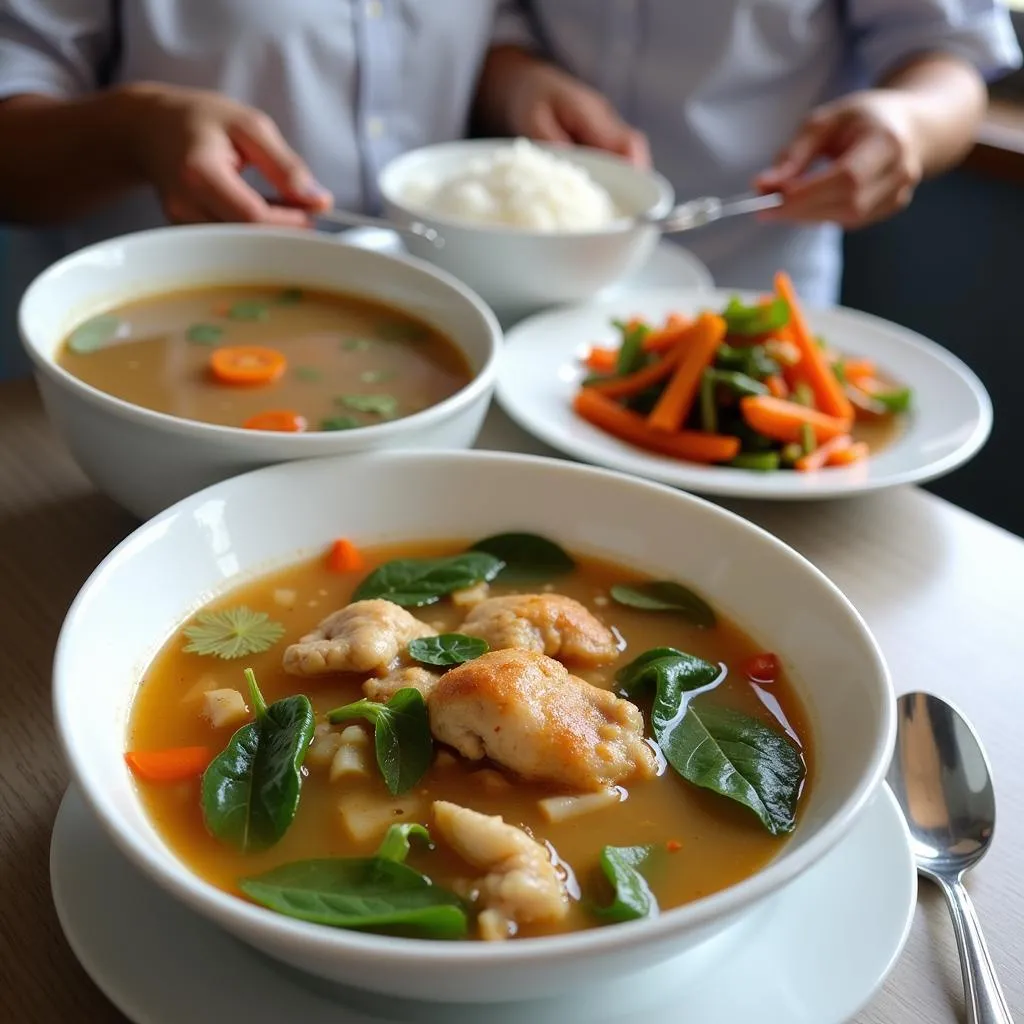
(698, 212)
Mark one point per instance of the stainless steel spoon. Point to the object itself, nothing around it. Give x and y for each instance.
(698, 212)
(361, 220)
(942, 780)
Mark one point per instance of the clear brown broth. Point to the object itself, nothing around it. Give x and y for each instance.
(719, 843)
(336, 345)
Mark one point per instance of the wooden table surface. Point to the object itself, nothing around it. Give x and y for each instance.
(943, 591)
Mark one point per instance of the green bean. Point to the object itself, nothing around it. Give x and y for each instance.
(708, 409)
(764, 462)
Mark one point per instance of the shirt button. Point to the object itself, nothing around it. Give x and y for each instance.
(374, 8)
(375, 127)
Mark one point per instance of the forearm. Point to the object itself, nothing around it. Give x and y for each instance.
(947, 100)
(495, 87)
(61, 158)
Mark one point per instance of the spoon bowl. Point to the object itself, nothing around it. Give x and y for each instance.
(941, 778)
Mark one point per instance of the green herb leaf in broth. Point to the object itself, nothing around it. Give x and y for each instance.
(670, 674)
(376, 376)
(356, 344)
(249, 309)
(94, 334)
(665, 596)
(402, 330)
(415, 582)
(310, 374)
(396, 843)
(754, 320)
(384, 406)
(289, 296)
(339, 423)
(633, 899)
(527, 555)
(250, 791)
(447, 649)
(401, 732)
(204, 334)
(365, 893)
(232, 633)
(737, 756)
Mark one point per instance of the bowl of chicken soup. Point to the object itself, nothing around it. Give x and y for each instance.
(174, 358)
(528, 225)
(468, 726)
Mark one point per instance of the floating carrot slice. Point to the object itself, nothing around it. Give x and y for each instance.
(701, 342)
(818, 459)
(602, 360)
(782, 421)
(850, 454)
(814, 366)
(284, 421)
(673, 846)
(247, 364)
(173, 765)
(344, 556)
(632, 428)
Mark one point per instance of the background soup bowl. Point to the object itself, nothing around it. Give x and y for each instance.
(147, 460)
(251, 524)
(519, 271)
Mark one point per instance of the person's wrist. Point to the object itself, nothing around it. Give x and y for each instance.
(127, 114)
(501, 80)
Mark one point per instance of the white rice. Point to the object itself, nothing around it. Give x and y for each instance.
(521, 186)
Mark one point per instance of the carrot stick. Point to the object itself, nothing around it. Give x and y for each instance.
(601, 360)
(814, 367)
(344, 556)
(852, 453)
(818, 459)
(777, 386)
(667, 337)
(632, 428)
(701, 343)
(174, 765)
(855, 370)
(782, 421)
(641, 380)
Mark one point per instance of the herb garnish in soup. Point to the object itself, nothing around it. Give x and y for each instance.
(267, 358)
(489, 740)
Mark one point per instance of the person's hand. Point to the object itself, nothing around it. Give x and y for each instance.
(548, 105)
(192, 145)
(870, 160)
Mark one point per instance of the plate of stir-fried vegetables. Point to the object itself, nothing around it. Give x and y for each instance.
(743, 394)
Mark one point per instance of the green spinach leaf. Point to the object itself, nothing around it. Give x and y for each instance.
(249, 309)
(94, 334)
(339, 423)
(753, 320)
(365, 893)
(415, 582)
(204, 334)
(384, 406)
(527, 555)
(665, 596)
(395, 845)
(633, 898)
(250, 791)
(401, 732)
(447, 649)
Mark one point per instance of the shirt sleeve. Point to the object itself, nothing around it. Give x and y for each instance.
(889, 32)
(514, 26)
(53, 47)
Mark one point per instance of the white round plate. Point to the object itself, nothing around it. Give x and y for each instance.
(540, 371)
(816, 954)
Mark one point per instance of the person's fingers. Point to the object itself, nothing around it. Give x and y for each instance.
(849, 189)
(591, 121)
(637, 150)
(810, 142)
(543, 125)
(182, 210)
(211, 177)
(260, 143)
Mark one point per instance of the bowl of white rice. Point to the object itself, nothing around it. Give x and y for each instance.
(527, 225)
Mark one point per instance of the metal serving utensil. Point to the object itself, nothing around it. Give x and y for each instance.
(697, 212)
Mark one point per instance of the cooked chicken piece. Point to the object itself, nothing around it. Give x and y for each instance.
(550, 624)
(521, 884)
(368, 636)
(416, 676)
(526, 712)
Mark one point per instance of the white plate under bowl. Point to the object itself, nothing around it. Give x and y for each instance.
(540, 371)
(815, 954)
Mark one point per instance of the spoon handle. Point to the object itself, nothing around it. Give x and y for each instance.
(985, 1001)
